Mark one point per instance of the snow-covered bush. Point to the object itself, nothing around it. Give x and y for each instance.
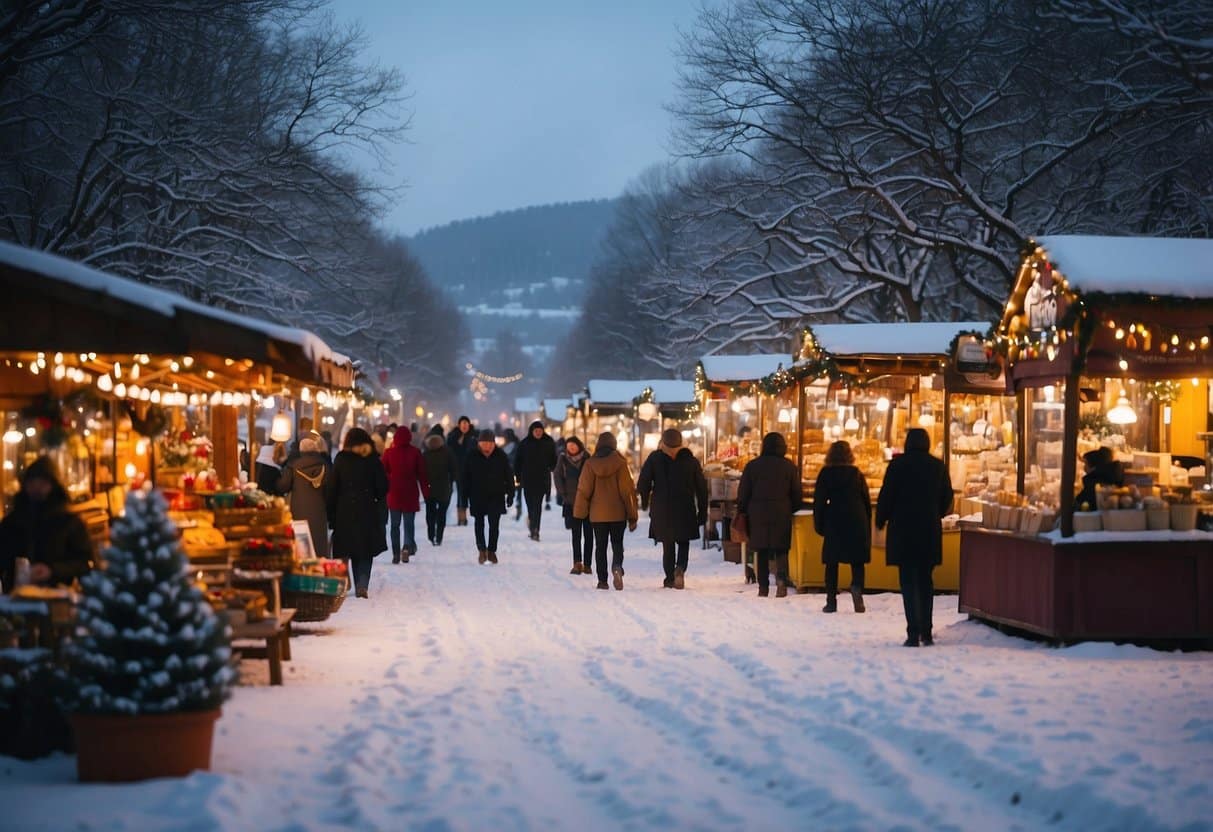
(150, 643)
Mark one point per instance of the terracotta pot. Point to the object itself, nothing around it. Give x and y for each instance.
(119, 749)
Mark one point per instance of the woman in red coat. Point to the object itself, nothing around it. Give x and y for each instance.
(407, 479)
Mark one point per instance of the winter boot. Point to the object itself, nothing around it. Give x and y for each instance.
(576, 570)
(857, 599)
(603, 585)
(395, 557)
(831, 604)
(679, 579)
(781, 589)
(764, 591)
(617, 573)
(492, 556)
(462, 513)
(484, 555)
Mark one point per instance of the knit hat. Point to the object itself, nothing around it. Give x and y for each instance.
(606, 439)
(671, 438)
(486, 435)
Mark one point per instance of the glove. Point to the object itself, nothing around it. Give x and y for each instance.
(631, 525)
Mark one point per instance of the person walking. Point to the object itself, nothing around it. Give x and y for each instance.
(672, 488)
(303, 480)
(769, 494)
(511, 452)
(488, 484)
(534, 462)
(406, 476)
(606, 496)
(442, 472)
(461, 441)
(842, 515)
(565, 479)
(914, 497)
(356, 495)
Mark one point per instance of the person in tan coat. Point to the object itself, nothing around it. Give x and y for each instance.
(606, 496)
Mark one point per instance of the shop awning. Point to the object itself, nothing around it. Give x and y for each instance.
(53, 303)
(527, 405)
(556, 410)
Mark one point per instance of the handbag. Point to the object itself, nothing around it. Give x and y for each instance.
(739, 529)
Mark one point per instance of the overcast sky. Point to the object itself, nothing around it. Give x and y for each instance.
(524, 102)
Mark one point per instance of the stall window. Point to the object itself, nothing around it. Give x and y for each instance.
(982, 441)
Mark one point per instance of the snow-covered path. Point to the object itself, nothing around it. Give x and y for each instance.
(462, 696)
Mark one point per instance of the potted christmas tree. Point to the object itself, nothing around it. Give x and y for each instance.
(153, 662)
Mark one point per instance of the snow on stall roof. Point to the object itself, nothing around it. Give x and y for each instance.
(555, 410)
(526, 404)
(159, 301)
(1173, 266)
(623, 391)
(900, 338)
(743, 367)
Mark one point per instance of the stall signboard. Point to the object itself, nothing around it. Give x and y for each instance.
(976, 366)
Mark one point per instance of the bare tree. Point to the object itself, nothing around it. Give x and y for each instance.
(897, 152)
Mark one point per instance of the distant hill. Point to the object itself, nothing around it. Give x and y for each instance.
(522, 270)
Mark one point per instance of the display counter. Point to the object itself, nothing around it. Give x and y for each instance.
(1097, 585)
(807, 572)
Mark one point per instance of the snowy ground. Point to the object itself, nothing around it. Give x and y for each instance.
(518, 697)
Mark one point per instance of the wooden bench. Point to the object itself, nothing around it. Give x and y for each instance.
(275, 631)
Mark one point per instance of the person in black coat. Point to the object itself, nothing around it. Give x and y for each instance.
(41, 528)
(356, 493)
(769, 494)
(303, 478)
(443, 473)
(566, 478)
(534, 461)
(1099, 468)
(461, 441)
(842, 515)
(914, 497)
(672, 487)
(488, 483)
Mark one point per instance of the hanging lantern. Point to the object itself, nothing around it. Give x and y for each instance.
(280, 428)
(1123, 413)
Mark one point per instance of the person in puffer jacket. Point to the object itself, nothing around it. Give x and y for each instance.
(606, 496)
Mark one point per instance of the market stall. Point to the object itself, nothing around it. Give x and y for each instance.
(120, 384)
(869, 384)
(1107, 345)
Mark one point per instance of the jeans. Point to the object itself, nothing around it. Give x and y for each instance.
(494, 521)
(674, 555)
(832, 578)
(410, 541)
(764, 566)
(518, 503)
(360, 570)
(613, 532)
(918, 597)
(583, 541)
(534, 508)
(461, 499)
(435, 518)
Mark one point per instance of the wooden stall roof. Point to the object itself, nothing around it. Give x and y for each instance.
(57, 304)
(735, 368)
(1164, 285)
(604, 392)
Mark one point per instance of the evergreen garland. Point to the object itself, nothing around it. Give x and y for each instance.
(151, 642)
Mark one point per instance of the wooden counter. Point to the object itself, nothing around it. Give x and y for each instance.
(806, 571)
(1140, 586)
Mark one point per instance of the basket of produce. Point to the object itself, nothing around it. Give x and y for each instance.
(261, 554)
(312, 606)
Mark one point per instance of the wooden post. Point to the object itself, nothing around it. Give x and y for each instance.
(226, 443)
(946, 421)
(1022, 421)
(252, 446)
(1069, 456)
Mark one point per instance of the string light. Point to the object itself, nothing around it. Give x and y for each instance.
(491, 379)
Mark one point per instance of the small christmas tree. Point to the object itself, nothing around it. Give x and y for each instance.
(152, 644)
